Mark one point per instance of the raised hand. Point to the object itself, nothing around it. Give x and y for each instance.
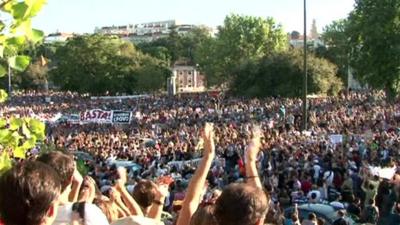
(122, 174)
(114, 195)
(255, 144)
(161, 190)
(208, 136)
(77, 177)
(88, 192)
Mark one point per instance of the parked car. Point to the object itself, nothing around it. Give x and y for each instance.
(326, 212)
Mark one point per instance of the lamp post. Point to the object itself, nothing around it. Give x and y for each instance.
(305, 78)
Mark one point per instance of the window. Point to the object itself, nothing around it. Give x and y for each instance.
(190, 72)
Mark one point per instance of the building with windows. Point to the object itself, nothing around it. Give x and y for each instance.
(58, 37)
(186, 78)
(146, 32)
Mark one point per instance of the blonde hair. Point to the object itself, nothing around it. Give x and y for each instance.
(107, 207)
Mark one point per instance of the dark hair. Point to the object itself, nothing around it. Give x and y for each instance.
(313, 195)
(204, 216)
(27, 192)
(144, 193)
(371, 201)
(320, 221)
(312, 216)
(241, 204)
(62, 163)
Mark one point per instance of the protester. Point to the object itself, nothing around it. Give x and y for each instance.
(64, 165)
(345, 158)
(29, 194)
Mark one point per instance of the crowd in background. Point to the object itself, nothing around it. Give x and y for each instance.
(336, 161)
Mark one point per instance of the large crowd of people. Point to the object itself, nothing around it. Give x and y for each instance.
(208, 159)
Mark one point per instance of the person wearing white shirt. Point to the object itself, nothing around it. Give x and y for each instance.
(71, 179)
(317, 170)
(328, 177)
(314, 196)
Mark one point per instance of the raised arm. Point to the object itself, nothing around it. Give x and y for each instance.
(77, 180)
(192, 198)
(158, 204)
(132, 205)
(88, 192)
(115, 198)
(251, 159)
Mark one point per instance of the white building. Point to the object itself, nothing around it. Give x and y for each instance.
(311, 42)
(146, 32)
(186, 78)
(58, 37)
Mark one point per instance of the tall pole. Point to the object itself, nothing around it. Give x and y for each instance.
(305, 69)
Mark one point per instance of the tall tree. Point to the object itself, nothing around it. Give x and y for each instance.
(336, 49)
(374, 29)
(177, 46)
(239, 39)
(98, 64)
(281, 74)
(295, 35)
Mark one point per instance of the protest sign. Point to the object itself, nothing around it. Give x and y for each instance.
(336, 139)
(121, 117)
(102, 116)
(96, 116)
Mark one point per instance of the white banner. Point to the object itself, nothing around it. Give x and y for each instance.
(96, 116)
(336, 139)
(102, 116)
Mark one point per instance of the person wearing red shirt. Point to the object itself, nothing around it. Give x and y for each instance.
(306, 185)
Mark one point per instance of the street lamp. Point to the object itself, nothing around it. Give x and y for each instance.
(305, 69)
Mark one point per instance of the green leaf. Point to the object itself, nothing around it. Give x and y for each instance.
(19, 63)
(36, 36)
(16, 123)
(3, 122)
(3, 71)
(10, 50)
(13, 141)
(3, 95)
(22, 28)
(19, 152)
(30, 143)
(37, 128)
(1, 51)
(4, 135)
(5, 162)
(17, 41)
(25, 131)
(35, 6)
(2, 25)
(8, 7)
(19, 10)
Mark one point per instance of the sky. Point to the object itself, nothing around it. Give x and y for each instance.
(82, 16)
